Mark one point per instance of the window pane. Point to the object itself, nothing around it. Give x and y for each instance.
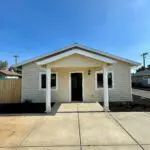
(43, 81)
(110, 80)
(53, 81)
(99, 80)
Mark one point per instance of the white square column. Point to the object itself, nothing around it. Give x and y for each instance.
(106, 94)
(48, 89)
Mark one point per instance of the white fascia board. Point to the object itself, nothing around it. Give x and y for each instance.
(76, 51)
(45, 55)
(133, 63)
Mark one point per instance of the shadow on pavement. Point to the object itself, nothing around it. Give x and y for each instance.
(23, 108)
(139, 104)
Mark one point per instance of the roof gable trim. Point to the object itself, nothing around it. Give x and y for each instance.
(132, 63)
(76, 51)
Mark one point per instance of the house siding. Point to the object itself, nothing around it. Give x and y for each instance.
(120, 92)
(142, 80)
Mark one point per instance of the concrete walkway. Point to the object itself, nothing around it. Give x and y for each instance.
(142, 93)
(79, 107)
(76, 126)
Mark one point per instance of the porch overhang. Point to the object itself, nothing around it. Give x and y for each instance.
(98, 61)
(76, 51)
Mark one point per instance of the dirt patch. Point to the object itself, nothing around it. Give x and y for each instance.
(23, 108)
(142, 88)
(139, 104)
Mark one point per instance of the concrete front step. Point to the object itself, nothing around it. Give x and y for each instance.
(78, 107)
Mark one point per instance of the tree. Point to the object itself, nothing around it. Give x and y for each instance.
(143, 68)
(140, 69)
(3, 64)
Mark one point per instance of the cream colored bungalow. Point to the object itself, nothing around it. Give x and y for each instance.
(77, 73)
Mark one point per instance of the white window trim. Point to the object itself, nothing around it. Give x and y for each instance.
(101, 88)
(42, 89)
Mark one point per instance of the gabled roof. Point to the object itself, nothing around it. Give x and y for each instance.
(79, 52)
(9, 73)
(81, 47)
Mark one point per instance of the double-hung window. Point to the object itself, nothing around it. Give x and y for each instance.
(99, 79)
(42, 81)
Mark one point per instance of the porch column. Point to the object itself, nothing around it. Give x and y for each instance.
(106, 94)
(48, 89)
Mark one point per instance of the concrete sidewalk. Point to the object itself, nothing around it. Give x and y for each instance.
(76, 126)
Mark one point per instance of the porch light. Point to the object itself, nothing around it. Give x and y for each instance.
(89, 72)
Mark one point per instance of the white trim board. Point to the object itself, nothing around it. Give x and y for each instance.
(76, 51)
(91, 50)
(82, 72)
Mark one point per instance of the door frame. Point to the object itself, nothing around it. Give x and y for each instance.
(82, 72)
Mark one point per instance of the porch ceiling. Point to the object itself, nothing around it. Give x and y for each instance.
(76, 60)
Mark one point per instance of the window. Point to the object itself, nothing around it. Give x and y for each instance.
(43, 81)
(53, 80)
(109, 79)
(99, 80)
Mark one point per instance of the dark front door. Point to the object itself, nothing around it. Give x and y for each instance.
(76, 86)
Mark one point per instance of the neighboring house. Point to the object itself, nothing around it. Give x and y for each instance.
(76, 73)
(5, 74)
(141, 78)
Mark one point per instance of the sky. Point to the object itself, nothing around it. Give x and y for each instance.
(30, 28)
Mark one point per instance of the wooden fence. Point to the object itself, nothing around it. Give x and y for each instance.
(10, 91)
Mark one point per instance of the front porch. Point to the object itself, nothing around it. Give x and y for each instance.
(75, 62)
(64, 92)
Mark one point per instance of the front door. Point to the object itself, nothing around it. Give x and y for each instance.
(76, 86)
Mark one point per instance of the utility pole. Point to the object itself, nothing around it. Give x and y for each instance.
(16, 59)
(144, 57)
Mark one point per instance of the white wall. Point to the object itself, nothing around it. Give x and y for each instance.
(120, 92)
